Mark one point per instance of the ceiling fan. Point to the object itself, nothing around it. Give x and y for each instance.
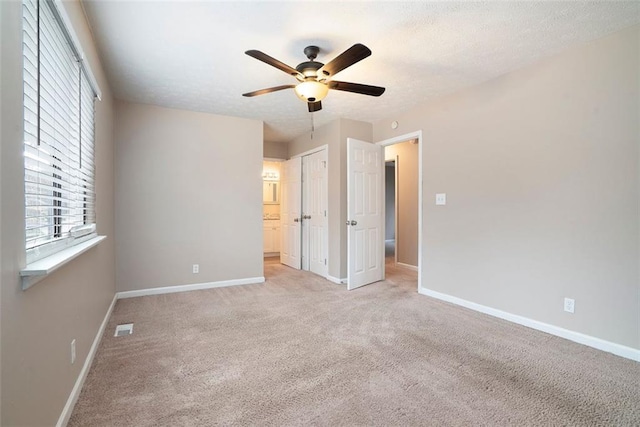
(314, 78)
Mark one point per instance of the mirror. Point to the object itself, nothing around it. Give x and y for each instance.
(270, 192)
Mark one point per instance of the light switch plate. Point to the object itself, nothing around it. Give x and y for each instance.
(441, 199)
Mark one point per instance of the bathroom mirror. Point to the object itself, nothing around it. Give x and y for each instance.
(270, 192)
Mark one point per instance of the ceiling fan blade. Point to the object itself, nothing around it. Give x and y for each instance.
(356, 88)
(314, 106)
(260, 56)
(268, 90)
(355, 53)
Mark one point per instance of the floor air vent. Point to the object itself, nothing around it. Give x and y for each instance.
(125, 329)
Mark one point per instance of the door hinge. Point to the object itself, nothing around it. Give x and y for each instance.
(325, 213)
(325, 261)
(324, 164)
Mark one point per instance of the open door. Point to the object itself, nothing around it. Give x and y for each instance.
(290, 218)
(365, 213)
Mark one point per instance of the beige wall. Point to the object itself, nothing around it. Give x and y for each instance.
(406, 154)
(188, 191)
(334, 135)
(541, 173)
(275, 150)
(39, 324)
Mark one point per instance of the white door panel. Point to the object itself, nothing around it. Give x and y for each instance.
(314, 212)
(290, 204)
(365, 214)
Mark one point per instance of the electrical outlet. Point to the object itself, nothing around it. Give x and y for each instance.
(569, 305)
(196, 268)
(73, 351)
(441, 199)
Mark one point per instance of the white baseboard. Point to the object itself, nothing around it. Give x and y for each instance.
(336, 280)
(600, 344)
(77, 387)
(407, 266)
(186, 288)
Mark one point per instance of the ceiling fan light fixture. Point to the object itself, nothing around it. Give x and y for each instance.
(311, 91)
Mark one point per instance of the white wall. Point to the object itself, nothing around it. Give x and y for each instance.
(37, 325)
(541, 171)
(188, 191)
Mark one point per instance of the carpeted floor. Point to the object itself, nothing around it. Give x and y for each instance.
(299, 350)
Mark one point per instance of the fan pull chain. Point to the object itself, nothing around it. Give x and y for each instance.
(313, 128)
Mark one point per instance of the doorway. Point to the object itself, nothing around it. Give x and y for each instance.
(271, 207)
(413, 259)
(390, 210)
(366, 210)
(401, 210)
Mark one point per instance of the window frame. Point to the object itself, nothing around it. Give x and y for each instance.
(83, 189)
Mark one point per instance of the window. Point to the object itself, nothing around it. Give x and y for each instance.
(58, 134)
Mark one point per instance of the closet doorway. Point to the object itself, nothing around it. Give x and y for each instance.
(304, 212)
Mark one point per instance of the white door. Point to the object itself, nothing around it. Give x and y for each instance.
(365, 213)
(314, 213)
(290, 205)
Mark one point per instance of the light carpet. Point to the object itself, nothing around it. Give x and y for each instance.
(299, 350)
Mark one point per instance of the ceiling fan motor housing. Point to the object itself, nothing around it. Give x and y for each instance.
(312, 88)
(309, 68)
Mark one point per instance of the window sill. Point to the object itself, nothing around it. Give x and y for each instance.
(40, 269)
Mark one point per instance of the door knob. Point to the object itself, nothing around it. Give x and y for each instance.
(306, 216)
(354, 222)
(296, 220)
(348, 222)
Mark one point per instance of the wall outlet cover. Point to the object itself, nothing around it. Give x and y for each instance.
(569, 305)
(441, 199)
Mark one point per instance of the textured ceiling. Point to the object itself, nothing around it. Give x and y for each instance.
(190, 55)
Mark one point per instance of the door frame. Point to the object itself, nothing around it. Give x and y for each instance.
(396, 140)
(314, 150)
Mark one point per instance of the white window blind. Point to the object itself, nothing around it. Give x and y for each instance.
(58, 135)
